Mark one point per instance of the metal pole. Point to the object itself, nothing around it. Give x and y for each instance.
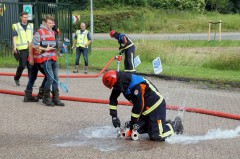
(220, 30)
(209, 30)
(91, 18)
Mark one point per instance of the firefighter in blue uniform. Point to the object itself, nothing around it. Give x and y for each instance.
(127, 47)
(149, 107)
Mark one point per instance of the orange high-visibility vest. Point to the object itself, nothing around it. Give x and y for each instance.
(46, 38)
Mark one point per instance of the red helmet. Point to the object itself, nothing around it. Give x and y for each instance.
(112, 33)
(109, 78)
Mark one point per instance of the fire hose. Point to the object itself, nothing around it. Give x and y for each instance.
(91, 100)
(124, 103)
(71, 75)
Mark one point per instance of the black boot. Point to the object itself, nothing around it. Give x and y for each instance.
(28, 97)
(177, 125)
(40, 93)
(55, 98)
(46, 98)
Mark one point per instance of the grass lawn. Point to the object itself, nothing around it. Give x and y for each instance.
(192, 59)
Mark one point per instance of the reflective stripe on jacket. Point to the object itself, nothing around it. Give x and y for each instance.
(124, 41)
(82, 38)
(47, 37)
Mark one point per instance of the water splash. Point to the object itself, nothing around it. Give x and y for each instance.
(99, 132)
(98, 137)
(210, 135)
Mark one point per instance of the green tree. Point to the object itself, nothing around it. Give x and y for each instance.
(195, 5)
(222, 6)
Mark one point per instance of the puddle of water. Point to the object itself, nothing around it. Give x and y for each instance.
(99, 132)
(98, 137)
(104, 138)
(210, 135)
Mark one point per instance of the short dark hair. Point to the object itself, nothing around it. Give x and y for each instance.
(23, 13)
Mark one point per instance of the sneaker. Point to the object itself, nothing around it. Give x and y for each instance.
(177, 125)
(75, 71)
(17, 82)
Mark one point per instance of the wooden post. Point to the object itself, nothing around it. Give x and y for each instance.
(220, 30)
(209, 30)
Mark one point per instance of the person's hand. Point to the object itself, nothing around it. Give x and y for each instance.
(116, 122)
(120, 52)
(38, 50)
(49, 48)
(31, 61)
(128, 124)
(15, 50)
(73, 47)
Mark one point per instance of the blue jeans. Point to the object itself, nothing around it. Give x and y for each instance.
(51, 69)
(80, 50)
(33, 72)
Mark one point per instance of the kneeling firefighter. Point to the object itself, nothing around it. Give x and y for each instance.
(149, 107)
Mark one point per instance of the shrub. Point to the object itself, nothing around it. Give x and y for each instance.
(194, 5)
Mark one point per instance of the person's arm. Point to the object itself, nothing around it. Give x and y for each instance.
(113, 102)
(74, 41)
(113, 107)
(14, 35)
(138, 102)
(88, 43)
(36, 43)
(89, 39)
(48, 48)
(124, 41)
(30, 49)
(15, 44)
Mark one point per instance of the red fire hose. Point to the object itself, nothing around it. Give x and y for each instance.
(69, 76)
(91, 100)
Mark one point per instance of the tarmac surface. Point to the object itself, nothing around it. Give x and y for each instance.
(84, 130)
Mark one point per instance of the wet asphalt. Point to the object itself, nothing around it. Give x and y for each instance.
(84, 130)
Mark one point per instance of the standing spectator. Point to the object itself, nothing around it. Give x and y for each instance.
(56, 29)
(127, 47)
(35, 61)
(22, 36)
(45, 36)
(81, 41)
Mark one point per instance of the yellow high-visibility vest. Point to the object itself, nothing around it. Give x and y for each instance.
(24, 37)
(82, 39)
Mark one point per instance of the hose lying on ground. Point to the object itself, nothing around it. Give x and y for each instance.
(101, 101)
(70, 75)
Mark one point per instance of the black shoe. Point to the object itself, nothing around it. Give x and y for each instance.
(48, 102)
(55, 98)
(28, 97)
(57, 102)
(40, 93)
(177, 125)
(75, 71)
(46, 98)
(17, 82)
